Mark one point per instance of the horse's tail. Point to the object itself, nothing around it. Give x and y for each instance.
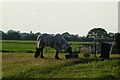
(38, 40)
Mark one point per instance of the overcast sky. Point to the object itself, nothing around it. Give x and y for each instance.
(59, 17)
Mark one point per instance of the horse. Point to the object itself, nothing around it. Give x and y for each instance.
(58, 42)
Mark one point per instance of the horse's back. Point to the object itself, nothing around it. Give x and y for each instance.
(58, 41)
(45, 39)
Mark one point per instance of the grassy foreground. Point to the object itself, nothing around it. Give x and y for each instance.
(23, 65)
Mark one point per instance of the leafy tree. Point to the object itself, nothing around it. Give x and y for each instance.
(27, 36)
(97, 33)
(31, 36)
(23, 36)
(111, 35)
(74, 37)
(13, 35)
(3, 36)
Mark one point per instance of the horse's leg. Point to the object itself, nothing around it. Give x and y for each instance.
(56, 55)
(42, 52)
(37, 53)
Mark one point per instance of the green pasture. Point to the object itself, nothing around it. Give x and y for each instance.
(30, 46)
(18, 62)
(18, 46)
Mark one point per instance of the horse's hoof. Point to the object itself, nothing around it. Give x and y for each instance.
(35, 56)
(42, 56)
(57, 58)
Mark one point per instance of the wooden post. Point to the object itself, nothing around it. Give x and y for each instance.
(95, 50)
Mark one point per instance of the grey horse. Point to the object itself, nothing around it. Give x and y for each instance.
(57, 42)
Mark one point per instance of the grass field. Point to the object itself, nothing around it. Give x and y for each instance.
(22, 64)
(25, 66)
(30, 46)
(18, 46)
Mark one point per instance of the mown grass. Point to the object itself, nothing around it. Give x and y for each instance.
(23, 65)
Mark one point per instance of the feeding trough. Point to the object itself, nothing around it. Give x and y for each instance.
(71, 55)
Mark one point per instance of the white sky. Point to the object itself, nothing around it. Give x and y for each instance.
(59, 17)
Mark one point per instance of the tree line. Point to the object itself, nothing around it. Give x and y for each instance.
(99, 34)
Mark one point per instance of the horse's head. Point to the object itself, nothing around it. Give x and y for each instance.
(69, 50)
(37, 53)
